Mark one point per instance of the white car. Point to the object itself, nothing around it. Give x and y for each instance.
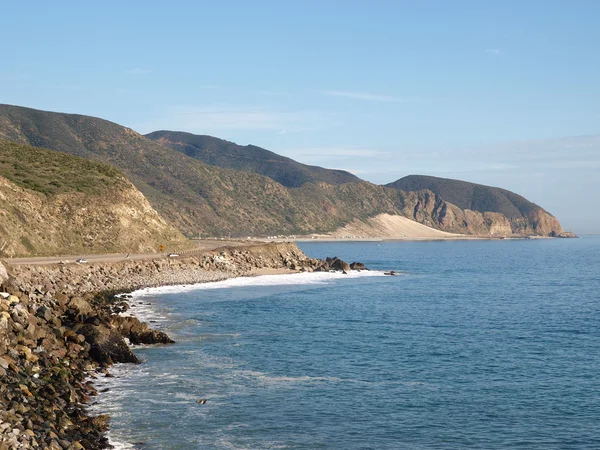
(172, 255)
(81, 261)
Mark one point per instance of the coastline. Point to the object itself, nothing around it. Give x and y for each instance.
(61, 325)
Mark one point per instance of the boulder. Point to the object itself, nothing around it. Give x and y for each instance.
(357, 266)
(3, 274)
(80, 308)
(107, 346)
(338, 264)
(139, 332)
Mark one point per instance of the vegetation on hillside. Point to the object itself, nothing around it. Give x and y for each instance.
(249, 158)
(54, 203)
(51, 172)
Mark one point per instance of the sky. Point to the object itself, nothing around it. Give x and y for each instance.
(505, 93)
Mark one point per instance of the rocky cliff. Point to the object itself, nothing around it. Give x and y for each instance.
(459, 206)
(59, 204)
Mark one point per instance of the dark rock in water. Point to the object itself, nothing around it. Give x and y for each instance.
(357, 266)
(391, 272)
(139, 332)
(107, 346)
(338, 264)
(150, 337)
(332, 264)
(322, 268)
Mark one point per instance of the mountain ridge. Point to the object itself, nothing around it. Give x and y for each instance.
(251, 158)
(220, 201)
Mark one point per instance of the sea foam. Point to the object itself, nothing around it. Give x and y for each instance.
(261, 280)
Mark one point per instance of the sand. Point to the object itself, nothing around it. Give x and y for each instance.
(387, 226)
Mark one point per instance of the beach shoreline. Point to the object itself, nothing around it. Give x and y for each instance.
(76, 310)
(73, 311)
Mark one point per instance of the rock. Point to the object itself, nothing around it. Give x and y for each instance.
(357, 266)
(107, 346)
(3, 274)
(338, 264)
(138, 332)
(80, 308)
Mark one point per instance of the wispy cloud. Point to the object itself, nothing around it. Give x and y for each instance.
(336, 151)
(373, 97)
(138, 71)
(493, 51)
(207, 119)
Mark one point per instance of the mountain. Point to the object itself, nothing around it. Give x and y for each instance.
(249, 158)
(54, 203)
(197, 197)
(524, 216)
(194, 196)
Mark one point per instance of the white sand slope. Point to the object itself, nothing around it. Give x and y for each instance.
(387, 226)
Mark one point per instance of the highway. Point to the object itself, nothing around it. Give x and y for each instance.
(202, 246)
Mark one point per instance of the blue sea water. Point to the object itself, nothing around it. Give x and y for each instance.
(478, 344)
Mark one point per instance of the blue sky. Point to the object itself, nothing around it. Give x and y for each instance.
(504, 93)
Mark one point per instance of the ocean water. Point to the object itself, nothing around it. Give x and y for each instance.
(477, 344)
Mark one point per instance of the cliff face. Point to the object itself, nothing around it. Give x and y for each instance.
(463, 207)
(431, 210)
(121, 220)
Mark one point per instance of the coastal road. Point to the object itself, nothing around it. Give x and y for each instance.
(202, 245)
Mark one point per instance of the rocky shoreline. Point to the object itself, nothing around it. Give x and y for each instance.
(60, 327)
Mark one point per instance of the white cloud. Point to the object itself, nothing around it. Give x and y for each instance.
(212, 119)
(493, 51)
(373, 97)
(336, 151)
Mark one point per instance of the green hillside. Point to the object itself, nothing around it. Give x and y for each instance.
(51, 172)
(249, 158)
(52, 203)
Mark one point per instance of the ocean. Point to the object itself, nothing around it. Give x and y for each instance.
(476, 344)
